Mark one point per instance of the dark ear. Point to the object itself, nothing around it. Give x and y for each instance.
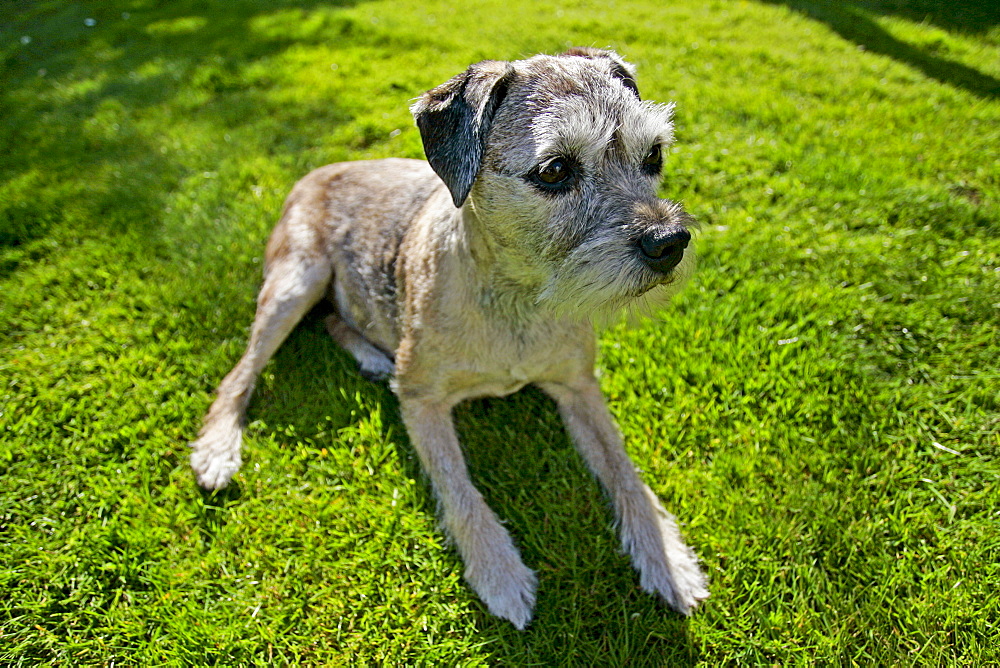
(454, 120)
(619, 68)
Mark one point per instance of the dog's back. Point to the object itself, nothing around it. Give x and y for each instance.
(366, 209)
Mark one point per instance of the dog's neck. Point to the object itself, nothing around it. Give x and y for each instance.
(509, 279)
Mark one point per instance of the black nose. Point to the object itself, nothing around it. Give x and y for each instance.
(662, 250)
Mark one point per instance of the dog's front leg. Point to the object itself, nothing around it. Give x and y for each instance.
(649, 533)
(493, 566)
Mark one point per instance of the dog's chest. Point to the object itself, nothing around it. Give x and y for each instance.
(494, 363)
(501, 381)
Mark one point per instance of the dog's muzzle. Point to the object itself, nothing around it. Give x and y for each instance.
(662, 250)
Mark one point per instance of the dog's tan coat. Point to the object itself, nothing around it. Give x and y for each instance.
(471, 276)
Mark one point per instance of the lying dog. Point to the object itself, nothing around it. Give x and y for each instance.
(481, 272)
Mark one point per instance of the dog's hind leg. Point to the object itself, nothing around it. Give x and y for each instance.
(374, 364)
(293, 284)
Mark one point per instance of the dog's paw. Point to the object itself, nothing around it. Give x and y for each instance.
(213, 471)
(215, 457)
(679, 583)
(493, 568)
(376, 368)
(507, 587)
(667, 566)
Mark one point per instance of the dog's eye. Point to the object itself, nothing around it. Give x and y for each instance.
(554, 172)
(653, 161)
(555, 176)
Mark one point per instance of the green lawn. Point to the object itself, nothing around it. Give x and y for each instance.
(820, 408)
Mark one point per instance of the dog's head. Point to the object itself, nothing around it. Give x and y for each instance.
(560, 160)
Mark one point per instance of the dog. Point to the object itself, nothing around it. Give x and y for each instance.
(480, 271)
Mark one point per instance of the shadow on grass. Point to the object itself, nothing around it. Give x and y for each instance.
(855, 23)
(212, 511)
(530, 473)
(82, 83)
(966, 16)
(589, 604)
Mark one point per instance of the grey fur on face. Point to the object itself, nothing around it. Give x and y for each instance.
(483, 270)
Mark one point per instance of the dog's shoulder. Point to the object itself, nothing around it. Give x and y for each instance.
(366, 184)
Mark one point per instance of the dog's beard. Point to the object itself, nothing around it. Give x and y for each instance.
(605, 287)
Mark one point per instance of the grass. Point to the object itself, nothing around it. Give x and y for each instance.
(820, 407)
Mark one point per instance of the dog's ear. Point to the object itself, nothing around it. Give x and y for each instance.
(454, 120)
(619, 68)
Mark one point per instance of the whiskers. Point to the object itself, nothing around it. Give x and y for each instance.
(609, 285)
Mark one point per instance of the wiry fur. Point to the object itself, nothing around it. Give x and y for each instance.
(471, 276)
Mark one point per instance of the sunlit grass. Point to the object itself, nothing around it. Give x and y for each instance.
(819, 408)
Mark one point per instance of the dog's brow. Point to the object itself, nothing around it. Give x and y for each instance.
(573, 128)
(587, 132)
(651, 124)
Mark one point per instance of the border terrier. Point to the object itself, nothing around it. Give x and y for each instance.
(483, 270)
